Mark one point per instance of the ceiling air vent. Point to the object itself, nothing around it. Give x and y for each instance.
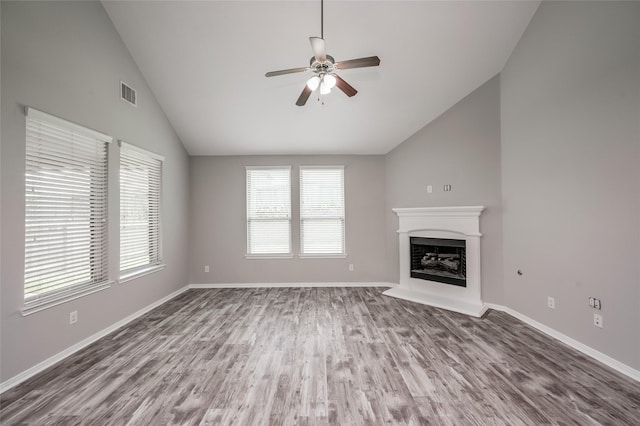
(128, 94)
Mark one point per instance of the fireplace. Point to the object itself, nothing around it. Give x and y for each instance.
(439, 255)
(439, 259)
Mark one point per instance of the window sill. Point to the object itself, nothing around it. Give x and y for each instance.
(268, 256)
(323, 256)
(46, 302)
(140, 273)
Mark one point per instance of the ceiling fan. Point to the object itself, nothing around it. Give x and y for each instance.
(324, 68)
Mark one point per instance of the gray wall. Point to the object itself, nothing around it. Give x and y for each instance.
(67, 59)
(460, 148)
(570, 97)
(218, 223)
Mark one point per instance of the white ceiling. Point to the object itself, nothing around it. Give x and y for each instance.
(205, 62)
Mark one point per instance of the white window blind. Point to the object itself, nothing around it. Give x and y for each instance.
(65, 211)
(140, 192)
(268, 210)
(322, 210)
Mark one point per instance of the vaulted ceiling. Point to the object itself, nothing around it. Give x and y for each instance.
(205, 62)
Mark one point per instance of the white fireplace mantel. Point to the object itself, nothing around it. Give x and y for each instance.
(462, 223)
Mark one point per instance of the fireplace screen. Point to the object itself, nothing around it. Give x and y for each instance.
(438, 259)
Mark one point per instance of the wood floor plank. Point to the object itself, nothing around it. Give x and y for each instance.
(322, 356)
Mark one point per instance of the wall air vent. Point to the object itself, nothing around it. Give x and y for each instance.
(128, 94)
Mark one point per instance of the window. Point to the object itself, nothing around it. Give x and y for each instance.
(65, 211)
(322, 210)
(140, 191)
(268, 210)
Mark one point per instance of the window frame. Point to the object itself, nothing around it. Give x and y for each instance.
(41, 129)
(336, 255)
(157, 263)
(248, 254)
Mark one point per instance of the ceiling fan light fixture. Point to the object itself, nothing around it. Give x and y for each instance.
(329, 81)
(325, 89)
(313, 83)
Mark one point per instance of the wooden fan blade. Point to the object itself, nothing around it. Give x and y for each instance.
(289, 71)
(306, 92)
(345, 87)
(317, 44)
(371, 61)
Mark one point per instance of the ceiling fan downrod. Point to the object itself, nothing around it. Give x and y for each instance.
(321, 18)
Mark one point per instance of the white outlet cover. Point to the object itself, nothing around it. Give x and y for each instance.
(597, 320)
(551, 302)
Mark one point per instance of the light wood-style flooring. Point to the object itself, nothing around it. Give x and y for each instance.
(306, 356)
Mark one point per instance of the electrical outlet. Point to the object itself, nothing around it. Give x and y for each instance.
(351, 267)
(447, 188)
(429, 189)
(73, 317)
(206, 268)
(595, 303)
(551, 302)
(597, 320)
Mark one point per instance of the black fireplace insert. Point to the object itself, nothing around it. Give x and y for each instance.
(439, 259)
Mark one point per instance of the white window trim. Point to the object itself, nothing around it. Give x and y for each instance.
(131, 147)
(342, 255)
(268, 256)
(258, 256)
(45, 303)
(148, 269)
(141, 273)
(54, 298)
(323, 256)
(52, 119)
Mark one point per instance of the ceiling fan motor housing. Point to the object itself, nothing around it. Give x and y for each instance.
(322, 67)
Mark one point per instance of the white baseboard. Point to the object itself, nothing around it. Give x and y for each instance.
(587, 350)
(284, 285)
(19, 378)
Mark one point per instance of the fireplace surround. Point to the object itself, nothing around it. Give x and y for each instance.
(435, 227)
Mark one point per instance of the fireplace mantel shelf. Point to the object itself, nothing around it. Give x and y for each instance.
(461, 211)
(458, 222)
